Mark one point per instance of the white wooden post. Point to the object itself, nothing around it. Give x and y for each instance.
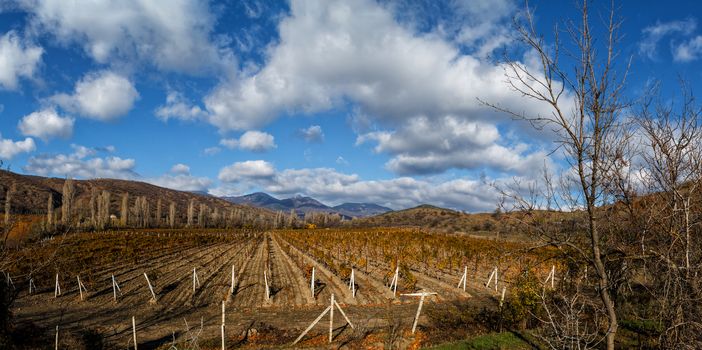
(312, 325)
(421, 296)
(463, 279)
(223, 325)
(81, 287)
(196, 280)
(32, 287)
(312, 282)
(352, 284)
(115, 288)
(56, 341)
(393, 283)
(134, 333)
(331, 318)
(231, 289)
(57, 288)
(343, 314)
(265, 279)
(153, 295)
(496, 278)
(553, 275)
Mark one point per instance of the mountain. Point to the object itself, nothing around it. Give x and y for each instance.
(360, 209)
(32, 193)
(303, 205)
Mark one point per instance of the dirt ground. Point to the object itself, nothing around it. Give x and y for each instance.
(184, 314)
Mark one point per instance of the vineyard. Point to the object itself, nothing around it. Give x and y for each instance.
(273, 284)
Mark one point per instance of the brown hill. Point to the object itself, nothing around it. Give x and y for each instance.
(32, 193)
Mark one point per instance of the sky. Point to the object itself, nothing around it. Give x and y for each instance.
(344, 101)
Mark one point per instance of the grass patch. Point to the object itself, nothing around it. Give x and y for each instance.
(492, 341)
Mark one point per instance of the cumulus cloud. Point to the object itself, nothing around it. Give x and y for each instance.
(313, 133)
(252, 140)
(180, 179)
(17, 60)
(333, 187)
(178, 107)
(248, 170)
(180, 168)
(82, 163)
(210, 151)
(689, 50)
(172, 36)
(337, 53)
(103, 95)
(652, 35)
(9, 148)
(46, 124)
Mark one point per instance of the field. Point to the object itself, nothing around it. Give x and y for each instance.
(186, 311)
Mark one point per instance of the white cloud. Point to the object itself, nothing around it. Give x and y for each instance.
(178, 107)
(254, 141)
(248, 170)
(181, 182)
(652, 35)
(210, 151)
(103, 95)
(17, 60)
(313, 133)
(341, 160)
(689, 50)
(82, 163)
(333, 187)
(180, 168)
(170, 35)
(46, 124)
(336, 53)
(9, 148)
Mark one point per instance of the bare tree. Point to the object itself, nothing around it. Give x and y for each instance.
(50, 211)
(67, 201)
(157, 221)
(124, 210)
(191, 212)
(171, 215)
(670, 219)
(103, 207)
(8, 203)
(585, 120)
(92, 205)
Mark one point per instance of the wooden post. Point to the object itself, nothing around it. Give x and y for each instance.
(223, 313)
(421, 296)
(312, 283)
(312, 325)
(502, 298)
(115, 288)
(153, 295)
(331, 318)
(134, 333)
(393, 283)
(463, 279)
(265, 279)
(57, 336)
(32, 287)
(80, 288)
(353, 284)
(496, 278)
(195, 280)
(57, 288)
(231, 289)
(553, 275)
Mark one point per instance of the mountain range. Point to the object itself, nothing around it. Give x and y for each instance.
(303, 205)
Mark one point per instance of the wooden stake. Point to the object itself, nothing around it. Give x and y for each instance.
(353, 284)
(231, 289)
(81, 287)
(134, 332)
(393, 283)
(312, 283)
(195, 280)
(32, 287)
(343, 314)
(331, 318)
(56, 342)
(153, 295)
(265, 279)
(57, 288)
(115, 288)
(502, 298)
(312, 325)
(463, 278)
(421, 296)
(223, 313)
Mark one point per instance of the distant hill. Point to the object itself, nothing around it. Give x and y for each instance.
(441, 219)
(32, 194)
(303, 205)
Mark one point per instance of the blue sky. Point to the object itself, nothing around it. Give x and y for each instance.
(345, 101)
